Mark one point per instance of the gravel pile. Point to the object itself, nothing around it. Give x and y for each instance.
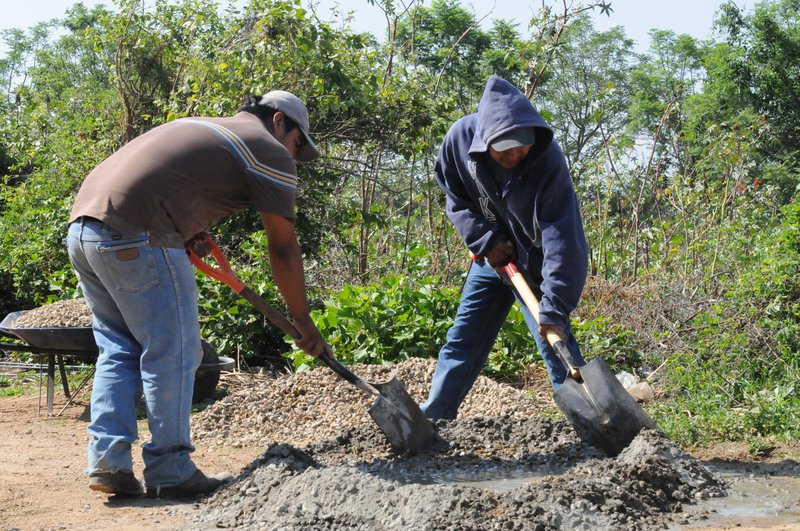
(312, 406)
(67, 313)
(327, 466)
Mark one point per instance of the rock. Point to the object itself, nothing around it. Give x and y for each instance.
(642, 392)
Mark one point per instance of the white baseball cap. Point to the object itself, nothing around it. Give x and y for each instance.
(522, 136)
(294, 108)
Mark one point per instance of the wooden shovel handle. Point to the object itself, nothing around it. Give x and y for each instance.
(552, 337)
(529, 298)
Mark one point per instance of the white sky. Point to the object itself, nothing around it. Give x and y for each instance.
(693, 17)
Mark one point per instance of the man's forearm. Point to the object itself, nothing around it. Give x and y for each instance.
(287, 270)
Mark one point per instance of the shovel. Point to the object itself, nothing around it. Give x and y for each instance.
(602, 412)
(394, 411)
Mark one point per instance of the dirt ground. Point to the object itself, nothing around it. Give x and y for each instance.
(43, 484)
(44, 487)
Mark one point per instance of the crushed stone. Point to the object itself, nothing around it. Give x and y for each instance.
(312, 406)
(64, 313)
(341, 474)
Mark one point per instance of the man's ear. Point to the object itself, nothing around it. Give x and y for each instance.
(277, 120)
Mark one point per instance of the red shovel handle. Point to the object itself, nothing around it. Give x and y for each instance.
(223, 273)
(516, 278)
(226, 275)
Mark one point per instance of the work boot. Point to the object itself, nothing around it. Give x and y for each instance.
(197, 485)
(119, 483)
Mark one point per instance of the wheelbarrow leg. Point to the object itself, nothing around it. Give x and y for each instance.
(63, 371)
(77, 391)
(51, 376)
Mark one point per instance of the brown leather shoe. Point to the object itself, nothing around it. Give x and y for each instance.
(197, 485)
(118, 483)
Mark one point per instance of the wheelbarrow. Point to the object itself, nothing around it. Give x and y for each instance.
(599, 408)
(394, 411)
(59, 341)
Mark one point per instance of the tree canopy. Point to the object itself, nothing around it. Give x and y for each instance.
(684, 158)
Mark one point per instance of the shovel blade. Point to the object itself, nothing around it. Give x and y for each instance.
(600, 409)
(400, 418)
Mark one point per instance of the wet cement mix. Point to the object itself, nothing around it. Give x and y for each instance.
(500, 465)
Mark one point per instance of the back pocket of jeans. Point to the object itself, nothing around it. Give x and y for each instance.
(131, 265)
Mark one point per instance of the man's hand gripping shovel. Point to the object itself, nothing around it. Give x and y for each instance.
(394, 411)
(599, 408)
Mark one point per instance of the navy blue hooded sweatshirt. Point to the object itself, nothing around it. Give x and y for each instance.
(533, 205)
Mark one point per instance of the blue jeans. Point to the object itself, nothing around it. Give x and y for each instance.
(144, 303)
(485, 302)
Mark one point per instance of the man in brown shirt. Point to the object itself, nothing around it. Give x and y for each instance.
(133, 218)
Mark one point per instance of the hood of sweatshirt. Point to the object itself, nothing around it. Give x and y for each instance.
(503, 108)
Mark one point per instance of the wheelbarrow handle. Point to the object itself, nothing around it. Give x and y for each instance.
(224, 273)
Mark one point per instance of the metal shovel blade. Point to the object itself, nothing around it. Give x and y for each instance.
(394, 411)
(600, 409)
(399, 417)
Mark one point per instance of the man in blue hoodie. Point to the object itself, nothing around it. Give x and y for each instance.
(510, 197)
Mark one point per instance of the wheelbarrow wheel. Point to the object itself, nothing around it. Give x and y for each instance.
(206, 380)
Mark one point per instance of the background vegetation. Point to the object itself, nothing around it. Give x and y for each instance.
(685, 159)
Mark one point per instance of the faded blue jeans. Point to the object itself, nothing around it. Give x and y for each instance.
(485, 302)
(144, 302)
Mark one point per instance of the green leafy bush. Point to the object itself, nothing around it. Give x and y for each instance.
(9, 387)
(739, 378)
(613, 343)
(514, 348)
(400, 318)
(393, 320)
(33, 226)
(699, 416)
